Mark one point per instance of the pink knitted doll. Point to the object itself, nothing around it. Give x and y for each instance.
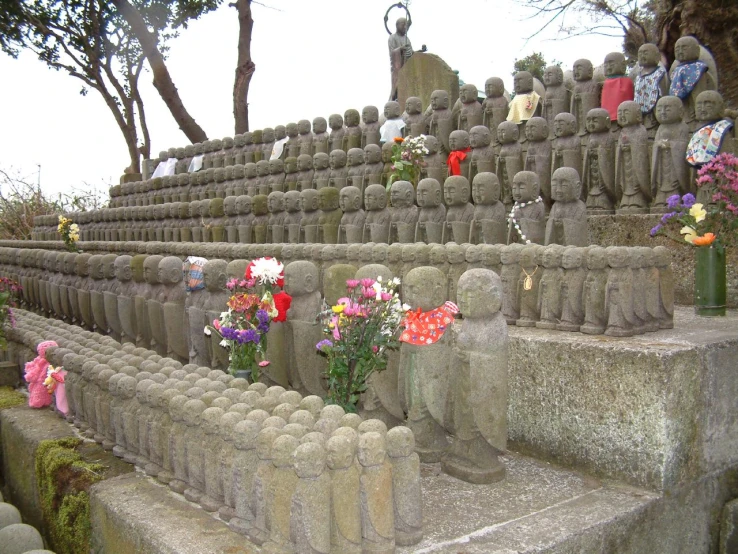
(35, 375)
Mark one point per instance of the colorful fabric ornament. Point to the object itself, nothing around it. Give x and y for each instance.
(706, 141)
(454, 160)
(194, 278)
(647, 89)
(523, 107)
(423, 328)
(35, 375)
(685, 78)
(55, 378)
(282, 301)
(615, 91)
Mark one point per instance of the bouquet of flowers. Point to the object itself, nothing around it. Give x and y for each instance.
(361, 327)
(9, 294)
(69, 232)
(407, 159)
(251, 309)
(702, 225)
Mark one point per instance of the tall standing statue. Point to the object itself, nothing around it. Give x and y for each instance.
(632, 171)
(690, 77)
(618, 88)
(586, 94)
(669, 169)
(494, 107)
(598, 174)
(558, 97)
(651, 83)
(400, 51)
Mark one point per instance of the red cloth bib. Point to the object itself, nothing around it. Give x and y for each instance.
(422, 328)
(614, 92)
(454, 161)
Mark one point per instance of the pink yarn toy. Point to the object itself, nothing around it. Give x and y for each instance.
(35, 375)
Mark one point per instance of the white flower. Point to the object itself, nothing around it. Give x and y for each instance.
(224, 314)
(267, 270)
(378, 290)
(224, 343)
(379, 279)
(406, 307)
(207, 331)
(396, 281)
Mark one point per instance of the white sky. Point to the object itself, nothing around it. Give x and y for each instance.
(313, 57)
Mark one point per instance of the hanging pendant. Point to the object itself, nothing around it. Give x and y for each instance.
(527, 282)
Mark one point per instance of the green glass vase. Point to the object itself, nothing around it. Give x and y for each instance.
(709, 281)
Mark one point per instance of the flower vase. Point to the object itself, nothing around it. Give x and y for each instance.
(709, 281)
(240, 373)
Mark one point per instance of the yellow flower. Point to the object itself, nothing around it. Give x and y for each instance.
(689, 233)
(74, 227)
(337, 309)
(697, 211)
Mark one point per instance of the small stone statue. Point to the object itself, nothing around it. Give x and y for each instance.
(598, 177)
(526, 103)
(566, 148)
(277, 217)
(377, 522)
(495, 106)
(293, 207)
(304, 137)
(352, 221)
(434, 164)
(310, 216)
(243, 469)
(355, 165)
(619, 315)
(406, 492)
(651, 83)
(632, 175)
(276, 179)
(245, 219)
(618, 87)
(373, 166)
(586, 94)
(459, 160)
(339, 172)
(321, 138)
(279, 497)
(260, 223)
(558, 96)
(538, 155)
(476, 410)
(488, 225)
(469, 112)
(690, 78)
(441, 121)
(529, 281)
(662, 262)
(330, 215)
(345, 502)
(290, 174)
(414, 118)
(527, 216)
(460, 213)
(305, 172)
(292, 145)
(335, 122)
(310, 505)
(404, 212)
(593, 295)
(572, 289)
(510, 160)
(669, 169)
(567, 222)
(482, 154)
(352, 136)
(258, 531)
(432, 216)
(322, 170)
(550, 287)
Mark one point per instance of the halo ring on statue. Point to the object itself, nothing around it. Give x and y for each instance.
(407, 12)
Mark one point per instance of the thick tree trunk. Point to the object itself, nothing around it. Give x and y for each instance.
(244, 68)
(162, 80)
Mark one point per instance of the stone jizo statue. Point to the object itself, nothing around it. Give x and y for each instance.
(567, 222)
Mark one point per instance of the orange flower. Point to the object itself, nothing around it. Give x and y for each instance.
(705, 240)
(399, 140)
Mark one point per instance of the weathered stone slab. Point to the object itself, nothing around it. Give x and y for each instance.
(655, 410)
(422, 74)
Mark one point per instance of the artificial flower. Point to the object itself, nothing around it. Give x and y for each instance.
(689, 233)
(698, 212)
(705, 240)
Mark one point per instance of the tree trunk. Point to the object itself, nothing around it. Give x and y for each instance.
(162, 80)
(245, 66)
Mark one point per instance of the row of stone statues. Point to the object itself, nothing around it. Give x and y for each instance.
(330, 216)
(291, 474)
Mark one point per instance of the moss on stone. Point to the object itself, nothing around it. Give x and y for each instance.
(64, 479)
(10, 398)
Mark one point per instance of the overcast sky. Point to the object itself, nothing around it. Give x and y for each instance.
(313, 57)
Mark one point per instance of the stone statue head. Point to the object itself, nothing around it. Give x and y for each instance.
(565, 124)
(249, 170)
(485, 189)
(553, 76)
(303, 127)
(320, 125)
(229, 206)
(351, 117)
(292, 201)
(596, 257)
(123, 270)
(151, 269)
(583, 70)
(328, 199)
(370, 114)
(429, 193)
(216, 207)
(401, 26)
(375, 197)
(536, 130)
(260, 204)
(335, 121)
(195, 208)
(669, 109)
(480, 136)
(615, 65)
(300, 278)
(214, 275)
(413, 105)
(458, 140)
(456, 190)
(350, 199)
(649, 55)
(243, 204)
(629, 114)
(275, 202)
(304, 162)
(137, 267)
(340, 452)
(321, 160)
(170, 270)
(372, 154)
(95, 262)
(309, 200)
(354, 157)
(392, 110)
(552, 255)
(468, 93)
(431, 144)
(268, 134)
(439, 100)
(709, 106)
(387, 152)
(526, 186)
(262, 168)
(424, 288)
(479, 293)
(108, 266)
(565, 185)
(573, 257)
(338, 159)
(276, 167)
(402, 194)
(687, 49)
(205, 207)
(494, 87)
(523, 82)
(598, 120)
(508, 132)
(291, 130)
(280, 132)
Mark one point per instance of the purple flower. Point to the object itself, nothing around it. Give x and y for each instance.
(666, 217)
(325, 343)
(673, 201)
(262, 316)
(688, 200)
(228, 333)
(655, 230)
(263, 327)
(248, 335)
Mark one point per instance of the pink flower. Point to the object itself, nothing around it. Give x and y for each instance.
(351, 284)
(336, 330)
(216, 324)
(367, 283)
(264, 363)
(386, 297)
(375, 349)
(230, 285)
(368, 293)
